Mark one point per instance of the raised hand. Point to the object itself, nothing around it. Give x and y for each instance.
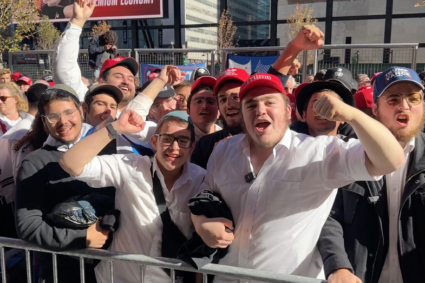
(309, 38)
(171, 75)
(129, 123)
(333, 109)
(82, 11)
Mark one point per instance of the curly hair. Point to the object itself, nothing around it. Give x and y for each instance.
(110, 37)
(35, 137)
(15, 92)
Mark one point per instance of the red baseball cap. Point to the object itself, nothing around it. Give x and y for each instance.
(374, 77)
(230, 74)
(153, 76)
(364, 98)
(298, 89)
(25, 79)
(128, 62)
(261, 80)
(16, 76)
(208, 81)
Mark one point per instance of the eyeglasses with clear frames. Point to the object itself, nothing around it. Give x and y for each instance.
(412, 99)
(53, 118)
(168, 140)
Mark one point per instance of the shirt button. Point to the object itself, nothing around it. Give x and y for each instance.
(394, 190)
(393, 213)
(371, 254)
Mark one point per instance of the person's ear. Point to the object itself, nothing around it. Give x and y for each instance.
(85, 107)
(153, 142)
(374, 109)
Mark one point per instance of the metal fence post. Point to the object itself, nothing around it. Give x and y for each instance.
(304, 66)
(223, 60)
(10, 65)
(316, 62)
(212, 63)
(414, 54)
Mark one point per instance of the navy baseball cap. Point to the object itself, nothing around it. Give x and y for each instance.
(392, 76)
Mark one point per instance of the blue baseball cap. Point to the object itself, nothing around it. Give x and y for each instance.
(392, 76)
(179, 114)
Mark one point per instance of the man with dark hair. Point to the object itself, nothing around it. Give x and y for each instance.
(147, 226)
(42, 184)
(119, 71)
(319, 76)
(202, 107)
(262, 175)
(312, 124)
(102, 48)
(375, 231)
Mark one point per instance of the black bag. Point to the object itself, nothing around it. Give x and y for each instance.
(81, 211)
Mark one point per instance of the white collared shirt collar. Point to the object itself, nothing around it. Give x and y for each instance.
(60, 146)
(183, 179)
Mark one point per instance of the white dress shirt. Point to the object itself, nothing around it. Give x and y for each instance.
(280, 215)
(395, 181)
(140, 230)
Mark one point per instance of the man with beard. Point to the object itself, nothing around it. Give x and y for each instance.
(280, 185)
(376, 230)
(119, 71)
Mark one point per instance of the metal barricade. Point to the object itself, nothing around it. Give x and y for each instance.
(162, 56)
(358, 58)
(38, 63)
(143, 261)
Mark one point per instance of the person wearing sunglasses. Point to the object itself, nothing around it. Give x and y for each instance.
(139, 181)
(12, 106)
(381, 224)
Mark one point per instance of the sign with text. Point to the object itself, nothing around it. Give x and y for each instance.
(61, 10)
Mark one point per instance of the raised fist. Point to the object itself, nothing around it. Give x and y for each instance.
(309, 38)
(333, 109)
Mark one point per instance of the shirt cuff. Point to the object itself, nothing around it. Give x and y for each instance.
(73, 29)
(283, 78)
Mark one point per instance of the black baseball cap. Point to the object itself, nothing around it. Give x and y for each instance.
(308, 90)
(35, 91)
(105, 88)
(343, 76)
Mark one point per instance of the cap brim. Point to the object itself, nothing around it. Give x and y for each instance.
(129, 62)
(220, 83)
(207, 81)
(261, 83)
(307, 91)
(116, 92)
(395, 82)
(166, 93)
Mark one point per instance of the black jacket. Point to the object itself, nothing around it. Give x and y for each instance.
(205, 146)
(96, 50)
(41, 184)
(355, 236)
(300, 127)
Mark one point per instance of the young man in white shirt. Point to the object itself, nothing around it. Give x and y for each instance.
(141, 228)
(283, 186)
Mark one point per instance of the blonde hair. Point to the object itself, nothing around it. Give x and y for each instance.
(15, 92)
(5, 72)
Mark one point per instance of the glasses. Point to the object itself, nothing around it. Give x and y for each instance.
(223, 99)
(168, 140)
(168, 102)
(412, 99)
(53, 118)
(200, 100)
(4, 98)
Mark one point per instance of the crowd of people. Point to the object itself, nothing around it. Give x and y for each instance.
(325, 179)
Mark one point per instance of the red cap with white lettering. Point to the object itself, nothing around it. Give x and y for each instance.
(25, 79)
(261, 80)
(231, 74)
(128, 62)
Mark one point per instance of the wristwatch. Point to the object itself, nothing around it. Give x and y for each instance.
(111, 130)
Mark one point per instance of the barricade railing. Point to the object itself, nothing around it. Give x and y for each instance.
(143, 261)
(358, 58)
(38, 63)
(181, 56)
